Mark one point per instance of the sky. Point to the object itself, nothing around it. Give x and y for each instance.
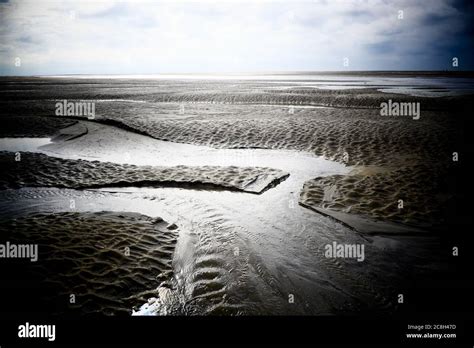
(145, 37)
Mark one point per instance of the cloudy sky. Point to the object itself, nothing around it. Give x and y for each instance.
(120, 37)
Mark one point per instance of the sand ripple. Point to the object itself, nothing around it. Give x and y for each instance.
(86, 254)
(39, 170)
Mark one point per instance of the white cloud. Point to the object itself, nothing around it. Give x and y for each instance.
(199, 36)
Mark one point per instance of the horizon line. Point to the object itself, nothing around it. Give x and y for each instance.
(251, 73)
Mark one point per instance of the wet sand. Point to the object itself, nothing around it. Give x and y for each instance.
(109, 261)
(39, 170)
(255, 113)
(413, 157)
(235, 126)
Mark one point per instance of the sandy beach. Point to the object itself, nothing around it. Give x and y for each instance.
(201, 172)
(249, 172)
(391, 154)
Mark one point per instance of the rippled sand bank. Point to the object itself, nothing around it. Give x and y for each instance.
(39, 170)
(109, 261)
